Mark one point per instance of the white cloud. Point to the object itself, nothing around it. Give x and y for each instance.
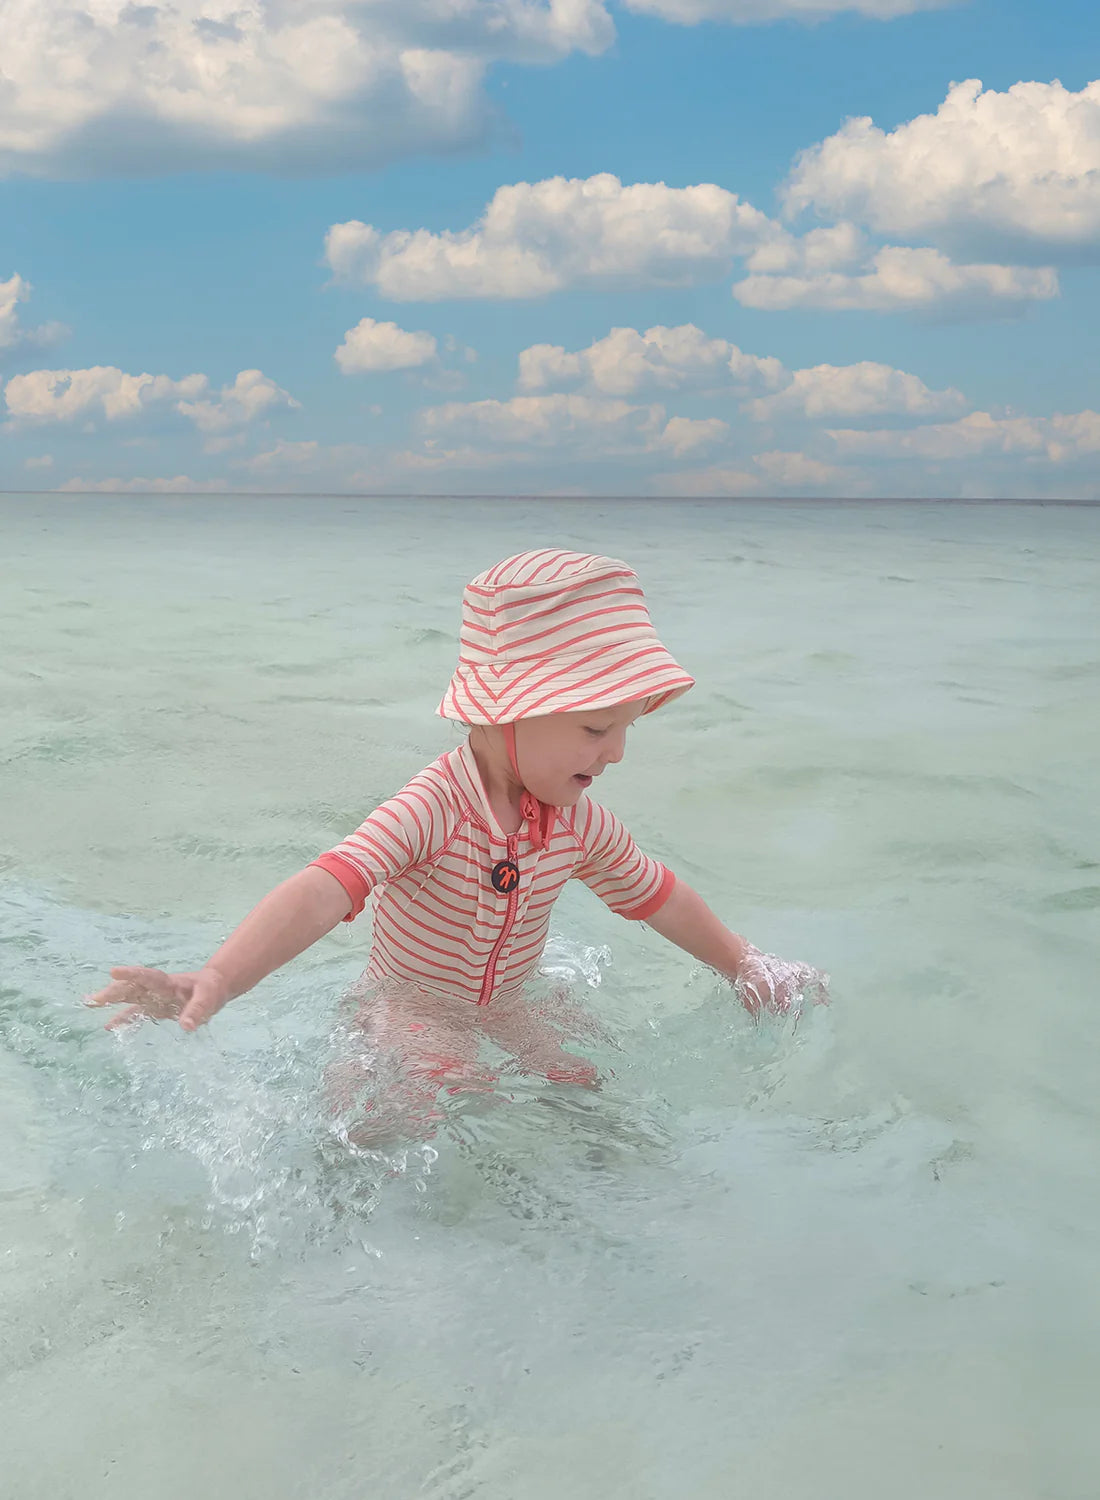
(251, 394)
(12, 335)
(685, 435)
(836, 247)
(865, 389)
(989, 174)
(43, 461)
(576, 423)
(372, 347)
(180, 484)
(93, 86)
(110, 393)
(63, 395)
(1062, 438)
(543, 421)
(750, 12)
(106, 85)
(775, 472)
(627, 362)
(541, 237)
(799, 470)
(903, 279)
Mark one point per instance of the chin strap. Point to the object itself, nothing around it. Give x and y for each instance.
(539, 816)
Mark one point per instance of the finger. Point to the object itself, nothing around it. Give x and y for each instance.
(125, 1018)
(114, 994)
(123, 981)
(198, 1010)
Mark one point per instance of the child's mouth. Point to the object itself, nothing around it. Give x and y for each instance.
(584, 780)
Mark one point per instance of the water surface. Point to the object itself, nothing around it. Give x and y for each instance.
(847, 1258)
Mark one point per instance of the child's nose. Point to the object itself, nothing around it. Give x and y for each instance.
(613, 751)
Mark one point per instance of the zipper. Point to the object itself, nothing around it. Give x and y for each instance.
(509, 919)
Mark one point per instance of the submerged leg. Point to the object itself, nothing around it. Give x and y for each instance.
(400, 1051)
(519, 1028)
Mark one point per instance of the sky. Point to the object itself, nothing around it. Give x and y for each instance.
(631, 247)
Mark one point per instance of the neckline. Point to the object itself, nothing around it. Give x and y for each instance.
(484, 806)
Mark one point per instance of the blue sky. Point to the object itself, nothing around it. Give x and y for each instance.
(206, 281)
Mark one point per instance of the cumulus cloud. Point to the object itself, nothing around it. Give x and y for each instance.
(12, 334)
(110, 86)
(575, 422)
(989, 174)
(866, 389)
(627, 362)
(251, 394)
(1061, 438)
(750, 12)
(685, 435)
(542, 237)
(104, 391)
(903, 279)
(371, 347)
(101, 390)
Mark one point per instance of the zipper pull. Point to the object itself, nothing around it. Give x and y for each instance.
(505, 873)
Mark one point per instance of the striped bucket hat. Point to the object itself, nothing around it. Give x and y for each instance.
(552, 632)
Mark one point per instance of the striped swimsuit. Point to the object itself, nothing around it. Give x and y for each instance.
(449, 915)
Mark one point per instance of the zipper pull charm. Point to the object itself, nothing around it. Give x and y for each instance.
(505, 874)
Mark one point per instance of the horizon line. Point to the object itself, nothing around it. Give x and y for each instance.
(579, 499)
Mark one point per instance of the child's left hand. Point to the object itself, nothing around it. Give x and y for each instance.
(765, 982)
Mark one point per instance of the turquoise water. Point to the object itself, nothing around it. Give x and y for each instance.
(851, 1257)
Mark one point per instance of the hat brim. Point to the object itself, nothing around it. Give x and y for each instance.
(482, 694)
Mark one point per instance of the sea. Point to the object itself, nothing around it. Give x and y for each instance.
(843, 1254)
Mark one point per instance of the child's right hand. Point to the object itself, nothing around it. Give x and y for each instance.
(193, 998)
(767, 982)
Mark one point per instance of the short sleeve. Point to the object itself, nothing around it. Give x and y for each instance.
(631, 883)
(396, 836)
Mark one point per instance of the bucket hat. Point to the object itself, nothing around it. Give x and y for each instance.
(549, 632)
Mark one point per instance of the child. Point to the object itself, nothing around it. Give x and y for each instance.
(557, 659)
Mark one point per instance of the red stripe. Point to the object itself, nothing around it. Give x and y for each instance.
(474, 953)
(518, 692)
(428, 931)
(391, 943)
(566, 646)
(528, 618)
(655, 902)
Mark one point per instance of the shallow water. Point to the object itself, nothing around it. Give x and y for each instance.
(845, 1258)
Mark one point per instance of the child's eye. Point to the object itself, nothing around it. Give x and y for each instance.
(596, 732)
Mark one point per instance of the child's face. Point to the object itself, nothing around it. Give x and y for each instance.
(561, 754)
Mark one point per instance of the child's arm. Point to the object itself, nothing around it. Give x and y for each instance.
(761, 979)
(286, 922)
(686, 920)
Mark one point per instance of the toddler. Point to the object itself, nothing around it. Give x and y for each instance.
(557, 658)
